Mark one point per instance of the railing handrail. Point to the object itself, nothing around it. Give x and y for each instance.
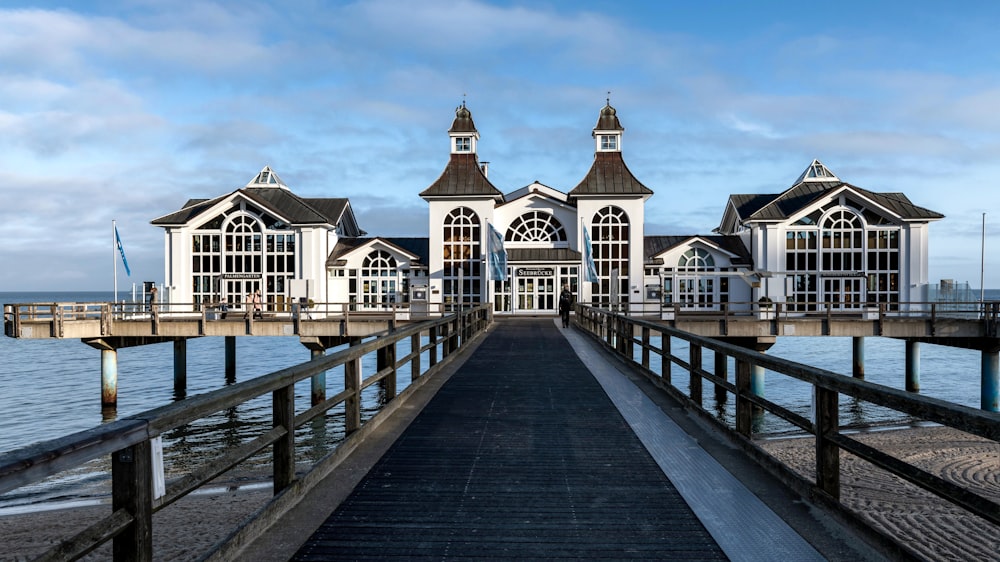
(38, 461)
(617, 331)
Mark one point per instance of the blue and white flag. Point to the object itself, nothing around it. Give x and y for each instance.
(497, 254)
(589, 269)
(121, 250)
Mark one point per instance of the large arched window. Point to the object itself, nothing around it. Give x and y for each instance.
(378, 279)
(844, 257)
(242, 251)
(462, 256)
(536, 226)
(610, 233)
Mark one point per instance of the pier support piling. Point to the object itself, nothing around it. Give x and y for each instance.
(230, 359)
(180, 366)
(912, 366)
(859, 357)
(109, 377)
(990, 384)
(318, 382)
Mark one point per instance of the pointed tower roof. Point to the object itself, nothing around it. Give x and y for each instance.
(463, 121)
(463, 176)
(608, 120)
(608, 174)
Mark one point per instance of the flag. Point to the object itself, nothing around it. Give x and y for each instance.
(121, 250)
(589, 269)
(497, 255)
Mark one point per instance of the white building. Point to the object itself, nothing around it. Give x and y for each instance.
(821, 240)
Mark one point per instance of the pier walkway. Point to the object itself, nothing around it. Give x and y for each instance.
(537, 447)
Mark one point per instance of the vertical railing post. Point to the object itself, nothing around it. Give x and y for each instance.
(415, 362)
(352, 405)
(666, 361)
(695, 377)
(721, 371)
(283, 415)
(744, 408)
(827, 453)
(445, 339)
(645, 348)
(132, 490)
(433, 339)
(385, 358)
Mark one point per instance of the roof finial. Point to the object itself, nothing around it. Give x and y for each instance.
(608, 99)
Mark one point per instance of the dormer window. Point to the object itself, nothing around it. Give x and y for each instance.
(609, 142)
(463, 144)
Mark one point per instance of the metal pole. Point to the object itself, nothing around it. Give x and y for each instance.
(982, 265)
(114, 258)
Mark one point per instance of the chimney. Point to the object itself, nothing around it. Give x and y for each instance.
(485, 167)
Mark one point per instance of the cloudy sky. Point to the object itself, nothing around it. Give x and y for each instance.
(124, 110)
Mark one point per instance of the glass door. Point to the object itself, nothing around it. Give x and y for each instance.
(536, 294)
(844, 293)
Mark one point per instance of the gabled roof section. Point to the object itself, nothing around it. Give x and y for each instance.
(816, 182)
(417, 249)
(653, 246)
(609, 175)
(268, 192)
(537, 189)
(462, 177)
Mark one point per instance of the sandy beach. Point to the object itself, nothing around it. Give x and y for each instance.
(931, 527)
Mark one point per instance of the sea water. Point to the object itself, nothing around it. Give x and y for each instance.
(51, 388)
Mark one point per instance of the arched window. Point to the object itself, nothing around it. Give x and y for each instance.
(536, 226)
(696, 259)
(610, 232)
(461, 256)
(378, 279)
(847, 258)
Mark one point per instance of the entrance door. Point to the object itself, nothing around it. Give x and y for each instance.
(844, 293)
(696, 293)
(536, 293)
(237, 291)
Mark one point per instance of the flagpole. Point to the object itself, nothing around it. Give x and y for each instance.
(982, 266)
(114, 258)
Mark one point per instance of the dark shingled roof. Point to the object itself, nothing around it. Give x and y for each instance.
(277, 200)
(609, 175)
(462, 177)
(655, 245)
(781, 206)
(417, 246)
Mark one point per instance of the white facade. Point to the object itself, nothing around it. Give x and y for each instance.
(820, 243)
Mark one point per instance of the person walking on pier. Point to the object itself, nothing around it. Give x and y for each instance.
(152, 299)
(565, 304)
(253, 304)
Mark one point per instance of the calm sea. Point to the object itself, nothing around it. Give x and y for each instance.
(50, 388)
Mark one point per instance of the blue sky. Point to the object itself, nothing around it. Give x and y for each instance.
(124, 110)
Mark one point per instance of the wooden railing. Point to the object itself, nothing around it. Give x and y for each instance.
(131, 441)
(626, 335)
(51, 319)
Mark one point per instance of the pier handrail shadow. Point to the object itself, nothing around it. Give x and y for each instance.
(633, 339)
(130, 441)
